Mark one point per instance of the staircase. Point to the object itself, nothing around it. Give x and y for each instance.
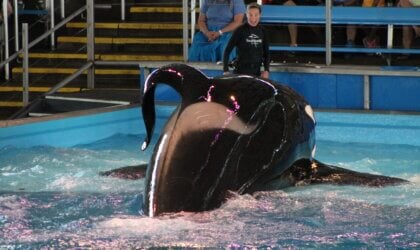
(152, 32)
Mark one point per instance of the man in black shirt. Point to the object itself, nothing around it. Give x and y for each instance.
(251, 42)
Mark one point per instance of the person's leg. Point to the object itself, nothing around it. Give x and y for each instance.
(199, 49)
(293, 31)
(407, 37)
(405, 4)
(245, 69)
(371, 40)
(417, 30)
(351, 33)
(407, 34)
(293, 34)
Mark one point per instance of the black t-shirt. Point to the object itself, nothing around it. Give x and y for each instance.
(252, 46)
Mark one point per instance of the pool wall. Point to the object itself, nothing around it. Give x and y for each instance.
(86, 127)
(343, 91)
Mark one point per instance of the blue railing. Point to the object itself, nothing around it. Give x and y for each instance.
(389, 16)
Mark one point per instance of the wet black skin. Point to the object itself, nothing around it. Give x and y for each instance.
(192, 170)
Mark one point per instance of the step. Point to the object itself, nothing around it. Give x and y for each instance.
(141, 57)
(129, 26)
(40, 70)
(120, 40)
(49, 55)
(38, 89)
(125, 45)
(14, 99)
(156, 9)
(107, 57)
(87, 100)
(6, 112)
(11, 104)
(104, 77)
(111, 96)
(129, 29)
(156, 13)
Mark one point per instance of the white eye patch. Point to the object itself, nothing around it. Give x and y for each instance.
(310, 112)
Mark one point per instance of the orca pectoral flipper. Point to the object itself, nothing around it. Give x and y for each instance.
(128, 172)
(324, 173)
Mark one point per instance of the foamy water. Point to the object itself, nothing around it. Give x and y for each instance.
(54, 197)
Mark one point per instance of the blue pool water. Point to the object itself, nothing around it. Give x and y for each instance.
(53, 197)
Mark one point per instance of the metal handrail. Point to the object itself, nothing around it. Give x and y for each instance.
(16, 20)
(185, 29)
(52, 21)
(68, 79)
(62, 9)
(49, 5)
(26, 46)
(122, 10)
(43, 36)
(6, 38)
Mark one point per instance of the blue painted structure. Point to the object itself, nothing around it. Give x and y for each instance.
(280, 14)
(71, 131)
(341, 91)
(346, 91)
(67, 131)
(340, 15)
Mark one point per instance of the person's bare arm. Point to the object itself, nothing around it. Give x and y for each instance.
(238, 19)
(202, 25)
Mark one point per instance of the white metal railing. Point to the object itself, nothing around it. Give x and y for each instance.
(62, 9)
(26, 46)
(16, 21)
(122, 10)
(49, 5)
(193, 14)
(6, 37)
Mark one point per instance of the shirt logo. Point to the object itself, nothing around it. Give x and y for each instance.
(254, 40)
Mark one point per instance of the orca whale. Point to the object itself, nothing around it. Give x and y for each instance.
(231, 133)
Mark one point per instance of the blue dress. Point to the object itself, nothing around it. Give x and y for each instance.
(219, 13)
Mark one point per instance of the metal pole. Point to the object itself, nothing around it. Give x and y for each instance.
(25, 65)
(185, 29)
(15, 15)
(193, 14)
(63, 9)
(328, 32)
(366, 92)
(44, 35)
(52, 22)
(90, 24)
(6, 40)
(122, 10)
(390, 36)
(70, 78)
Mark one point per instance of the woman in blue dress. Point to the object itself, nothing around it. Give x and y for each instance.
(217, 20)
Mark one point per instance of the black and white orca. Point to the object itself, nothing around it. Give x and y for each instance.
(231, 133)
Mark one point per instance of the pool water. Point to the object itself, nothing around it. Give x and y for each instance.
(52, 197)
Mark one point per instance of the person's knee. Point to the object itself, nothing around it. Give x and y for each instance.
(289, 3)
(404, 4)
(417, 30)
